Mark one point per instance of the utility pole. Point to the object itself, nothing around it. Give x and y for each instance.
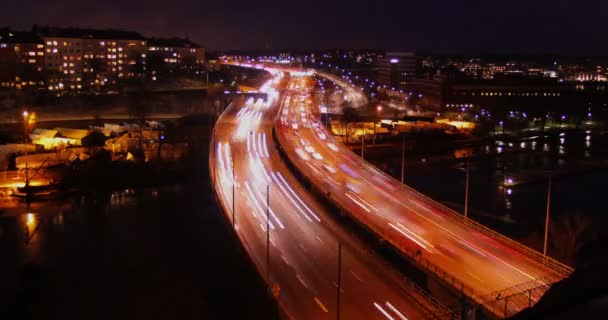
(547, 218)
(466, 194)
(402, 158)
(363, 143)
(374, 136)
(339, 278)
(233, 191)
(268, 232)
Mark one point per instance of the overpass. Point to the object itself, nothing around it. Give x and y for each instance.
(315, 268)
(496, 273)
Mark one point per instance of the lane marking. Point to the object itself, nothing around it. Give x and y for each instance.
(336, 285)
(474, 276)
(384, 313)
(393, 309)
(321, 305)
(302, 281)
(356, 276)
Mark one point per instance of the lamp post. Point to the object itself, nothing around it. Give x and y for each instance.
(402, 158)
(547, 218)
(339, 279)
(363, 142)
(233, 189)
(379, 109)
(25, 124)
(466, 194)
(268, 233)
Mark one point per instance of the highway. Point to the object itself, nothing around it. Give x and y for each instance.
(471, 258)
(299, 259)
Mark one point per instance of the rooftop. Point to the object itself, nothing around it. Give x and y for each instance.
(10, 36)
(114, 34)
(172, 42)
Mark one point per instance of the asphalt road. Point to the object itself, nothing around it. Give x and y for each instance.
(469, 257)
(302, 263)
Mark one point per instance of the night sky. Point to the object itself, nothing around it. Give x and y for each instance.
(468, 26)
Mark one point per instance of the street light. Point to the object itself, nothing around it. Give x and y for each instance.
(25, 124)
(547, 218)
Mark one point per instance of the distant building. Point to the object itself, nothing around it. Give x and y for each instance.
(21, 60)
(87, 58)
(396, 69)
(175, 55)
(441, 93)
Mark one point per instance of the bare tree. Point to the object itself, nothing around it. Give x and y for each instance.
(349, 117)
(568, 234)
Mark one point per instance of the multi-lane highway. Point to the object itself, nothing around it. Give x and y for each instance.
(473, 259)
(290, 237)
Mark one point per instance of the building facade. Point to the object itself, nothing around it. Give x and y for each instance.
(21, 60)
(174, 55)
(87, 59)
(396, 69)
(73, 59)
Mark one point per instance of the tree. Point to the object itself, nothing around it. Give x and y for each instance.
(568, 233)
(349, 117)
(94, 139)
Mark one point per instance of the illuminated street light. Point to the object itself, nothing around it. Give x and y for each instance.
(26, 124)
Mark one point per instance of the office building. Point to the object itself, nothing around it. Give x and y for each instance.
(396, 69)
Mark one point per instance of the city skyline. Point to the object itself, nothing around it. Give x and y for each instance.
(471, 27)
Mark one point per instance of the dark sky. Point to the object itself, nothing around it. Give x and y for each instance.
(466, 26)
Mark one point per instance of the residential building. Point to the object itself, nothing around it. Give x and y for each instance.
(86, 58)
(174, 55)
(21, 60)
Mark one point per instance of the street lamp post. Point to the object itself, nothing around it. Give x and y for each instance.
(233, 190)
(466, 194)
(339, 279)
(363, 142)
(25, 124)
(268, 232)
(402, 158)
(547, 218)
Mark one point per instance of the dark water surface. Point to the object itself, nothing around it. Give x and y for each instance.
(577, 161)
(159, 253)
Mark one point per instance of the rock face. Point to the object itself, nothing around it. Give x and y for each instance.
(584, 295)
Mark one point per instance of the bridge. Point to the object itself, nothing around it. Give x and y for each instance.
(498, 274)
(314, 267)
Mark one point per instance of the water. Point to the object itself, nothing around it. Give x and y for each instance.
(576, 160)
(148, 253)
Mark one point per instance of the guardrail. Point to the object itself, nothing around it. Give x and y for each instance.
(282, 309)
(410, 254)
(403, 252)
(562, 269)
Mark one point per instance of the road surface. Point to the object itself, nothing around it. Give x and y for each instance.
(303, 241)
(472, 259)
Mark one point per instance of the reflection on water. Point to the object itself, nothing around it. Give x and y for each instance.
(41, 224)
(510, 179)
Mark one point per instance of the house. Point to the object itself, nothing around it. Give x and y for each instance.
(73, 136)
